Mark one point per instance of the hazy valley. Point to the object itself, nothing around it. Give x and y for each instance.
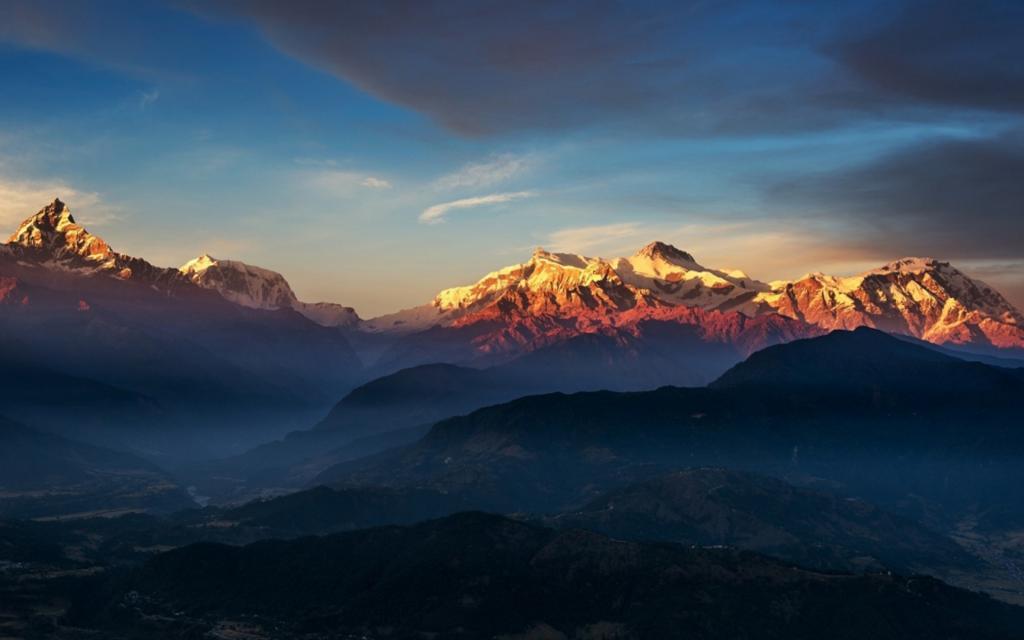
(645, 435)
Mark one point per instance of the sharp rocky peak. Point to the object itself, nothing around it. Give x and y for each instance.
(51, 219)
(54, 231)
(200, 263)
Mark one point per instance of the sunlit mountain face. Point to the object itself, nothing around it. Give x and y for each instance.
(563, 320)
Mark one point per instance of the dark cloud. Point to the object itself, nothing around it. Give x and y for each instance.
(952, 198)
(480, 67)
(673, 67)
(742, 66)
(140, 38)
(951, 52)
(477, 67)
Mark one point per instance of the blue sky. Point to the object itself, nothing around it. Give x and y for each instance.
(377, 152)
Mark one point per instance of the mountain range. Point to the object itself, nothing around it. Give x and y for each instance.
(921, 297)
(71, 305)
(862, 457)
(555, 296)
(219, 342)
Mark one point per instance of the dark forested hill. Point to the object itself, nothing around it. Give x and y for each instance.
(474, 576)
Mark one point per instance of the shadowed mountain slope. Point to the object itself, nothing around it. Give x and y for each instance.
(876, 428)
(46, 475)
(809, 527)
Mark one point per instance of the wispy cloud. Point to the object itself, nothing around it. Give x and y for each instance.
(586, 239)
(375, 183)
(343, 182)
(436, 213)
(147, 98)
(485, 174)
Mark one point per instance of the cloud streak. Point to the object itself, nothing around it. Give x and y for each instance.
(596, 237)
(147, 98)
(485, 174)
(339, 182)
(436, 214)
(372, 182)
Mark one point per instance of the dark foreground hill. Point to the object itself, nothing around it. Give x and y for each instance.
(479, 576)
(813, 528)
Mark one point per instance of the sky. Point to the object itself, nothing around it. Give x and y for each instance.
(377, 152)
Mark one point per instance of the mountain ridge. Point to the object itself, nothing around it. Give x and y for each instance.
(54, 239)
(552, 296)
(559, 448)
(260, 288)
(72, 305)
(922, 297)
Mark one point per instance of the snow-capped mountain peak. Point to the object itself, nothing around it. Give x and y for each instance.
(567, 260)
(241, 283)
(50, 221)
(545, 271)
(53, 232)
(549, 282)
(259, 288)
(910, 265)
(661, 252)
(200, 264)
(677, 277)
(53, 239)
(922, 297)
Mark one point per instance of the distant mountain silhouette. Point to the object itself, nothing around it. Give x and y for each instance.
(390, 411)
(850, 407)
(864, 361)
(71, 305)
(46, 475)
